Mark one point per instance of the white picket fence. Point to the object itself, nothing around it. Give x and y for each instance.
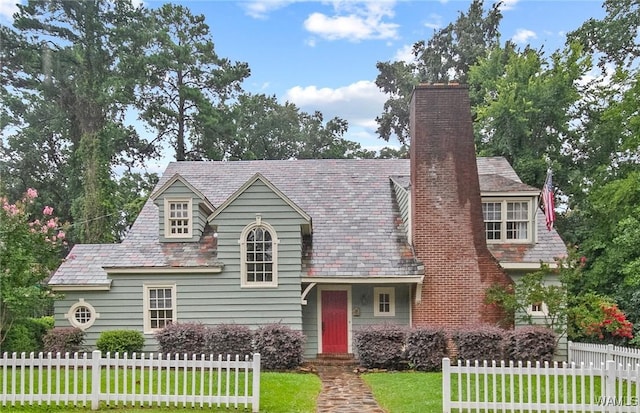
(82, 379)
(600, 353)
(518, 387)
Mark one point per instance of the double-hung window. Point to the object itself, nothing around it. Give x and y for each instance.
(159, 306)
(507, 220)
(178, 219)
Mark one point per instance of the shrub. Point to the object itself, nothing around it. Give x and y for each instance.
(280, 347)
(530, 344)
(120, 341)
(426, 347)
(64, 339)
(183, 338)
(27, 335)
(482, 343)
(229, 339)
(381, 346)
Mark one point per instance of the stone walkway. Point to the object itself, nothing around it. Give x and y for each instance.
(343, 391)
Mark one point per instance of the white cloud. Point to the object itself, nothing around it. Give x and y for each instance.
(523, 36)
(405, 54)
(435, 21)
(508, 5)
(7, 8)
(358, 103)
(354, 21)
(259, 9)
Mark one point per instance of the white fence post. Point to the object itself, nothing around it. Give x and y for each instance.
(609, 352)
(96, 356)
(570, 351)
(255, 403)
(446, 385)
(610, 382)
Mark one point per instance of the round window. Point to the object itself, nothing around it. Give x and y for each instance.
(82, 315)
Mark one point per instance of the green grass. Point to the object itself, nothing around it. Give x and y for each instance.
(407, 392)
(279, 393)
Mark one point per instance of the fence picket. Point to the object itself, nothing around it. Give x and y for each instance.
(133, 380)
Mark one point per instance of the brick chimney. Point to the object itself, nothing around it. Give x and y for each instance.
(447, 224)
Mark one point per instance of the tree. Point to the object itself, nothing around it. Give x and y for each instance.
(29, 252)
(447, 56)
(542, 287)
(524, 107)
(188, 84)
(71, 86)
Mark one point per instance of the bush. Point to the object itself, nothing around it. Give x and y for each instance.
(229, 339)
(120, 341)
(482, 343)
(183, 338)
(530, 344)
(64, 339)
(381, 346)
(280, 347)
(27, 335)
(426, 347)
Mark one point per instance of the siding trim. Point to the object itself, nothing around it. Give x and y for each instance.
(165, 270)
(80, 287)
(365, 280)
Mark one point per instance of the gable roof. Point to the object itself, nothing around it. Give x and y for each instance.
(177, 178)
(258, 177)
(357, 227)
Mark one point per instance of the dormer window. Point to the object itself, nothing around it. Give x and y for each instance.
(507, 220)
(178, 219)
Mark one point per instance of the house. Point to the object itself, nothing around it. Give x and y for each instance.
(324, 246)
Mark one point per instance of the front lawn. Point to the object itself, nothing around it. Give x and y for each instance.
(406, 392)
(279, 393)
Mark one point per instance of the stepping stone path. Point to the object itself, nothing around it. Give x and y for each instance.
(343, 391)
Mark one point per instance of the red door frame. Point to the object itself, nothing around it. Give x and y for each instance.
(334, 320)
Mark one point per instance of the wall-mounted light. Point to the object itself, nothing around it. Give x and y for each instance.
(363, 299)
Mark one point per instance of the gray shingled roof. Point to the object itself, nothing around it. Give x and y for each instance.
(357, 229)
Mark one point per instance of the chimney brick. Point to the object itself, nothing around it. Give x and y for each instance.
(447, 224)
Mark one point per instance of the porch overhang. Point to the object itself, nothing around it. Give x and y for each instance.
(526, 265)
(313, 281)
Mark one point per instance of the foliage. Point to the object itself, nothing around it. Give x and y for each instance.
(280, 347)
(543, 90)
(120, 341)
(188, 85)
(381, 346)
(546, 286)
(530, 343)
(448, 55)
(27, 335)
(229, 339)
(29, 252)
(425, 348)
(69, 86)
(596, 318)
(182, 338)
(479, 343)
(63, 340)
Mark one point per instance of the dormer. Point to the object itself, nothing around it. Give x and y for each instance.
(182, 211)
(508, 205)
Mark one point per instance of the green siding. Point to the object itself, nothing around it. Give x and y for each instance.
(180, 190)
(366, 317)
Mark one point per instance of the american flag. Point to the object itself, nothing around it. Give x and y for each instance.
(548, 200)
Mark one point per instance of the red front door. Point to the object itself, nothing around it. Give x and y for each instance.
(334, 322)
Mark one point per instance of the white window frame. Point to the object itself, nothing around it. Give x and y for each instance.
(71, 314)
(244, 283)
(542, 312)
(167, 217)
(147, 305)
(503, 220)
(391, 291)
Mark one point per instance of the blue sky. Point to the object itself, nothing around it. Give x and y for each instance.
(323, 55)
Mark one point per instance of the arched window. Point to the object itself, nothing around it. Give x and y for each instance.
(259, 255)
